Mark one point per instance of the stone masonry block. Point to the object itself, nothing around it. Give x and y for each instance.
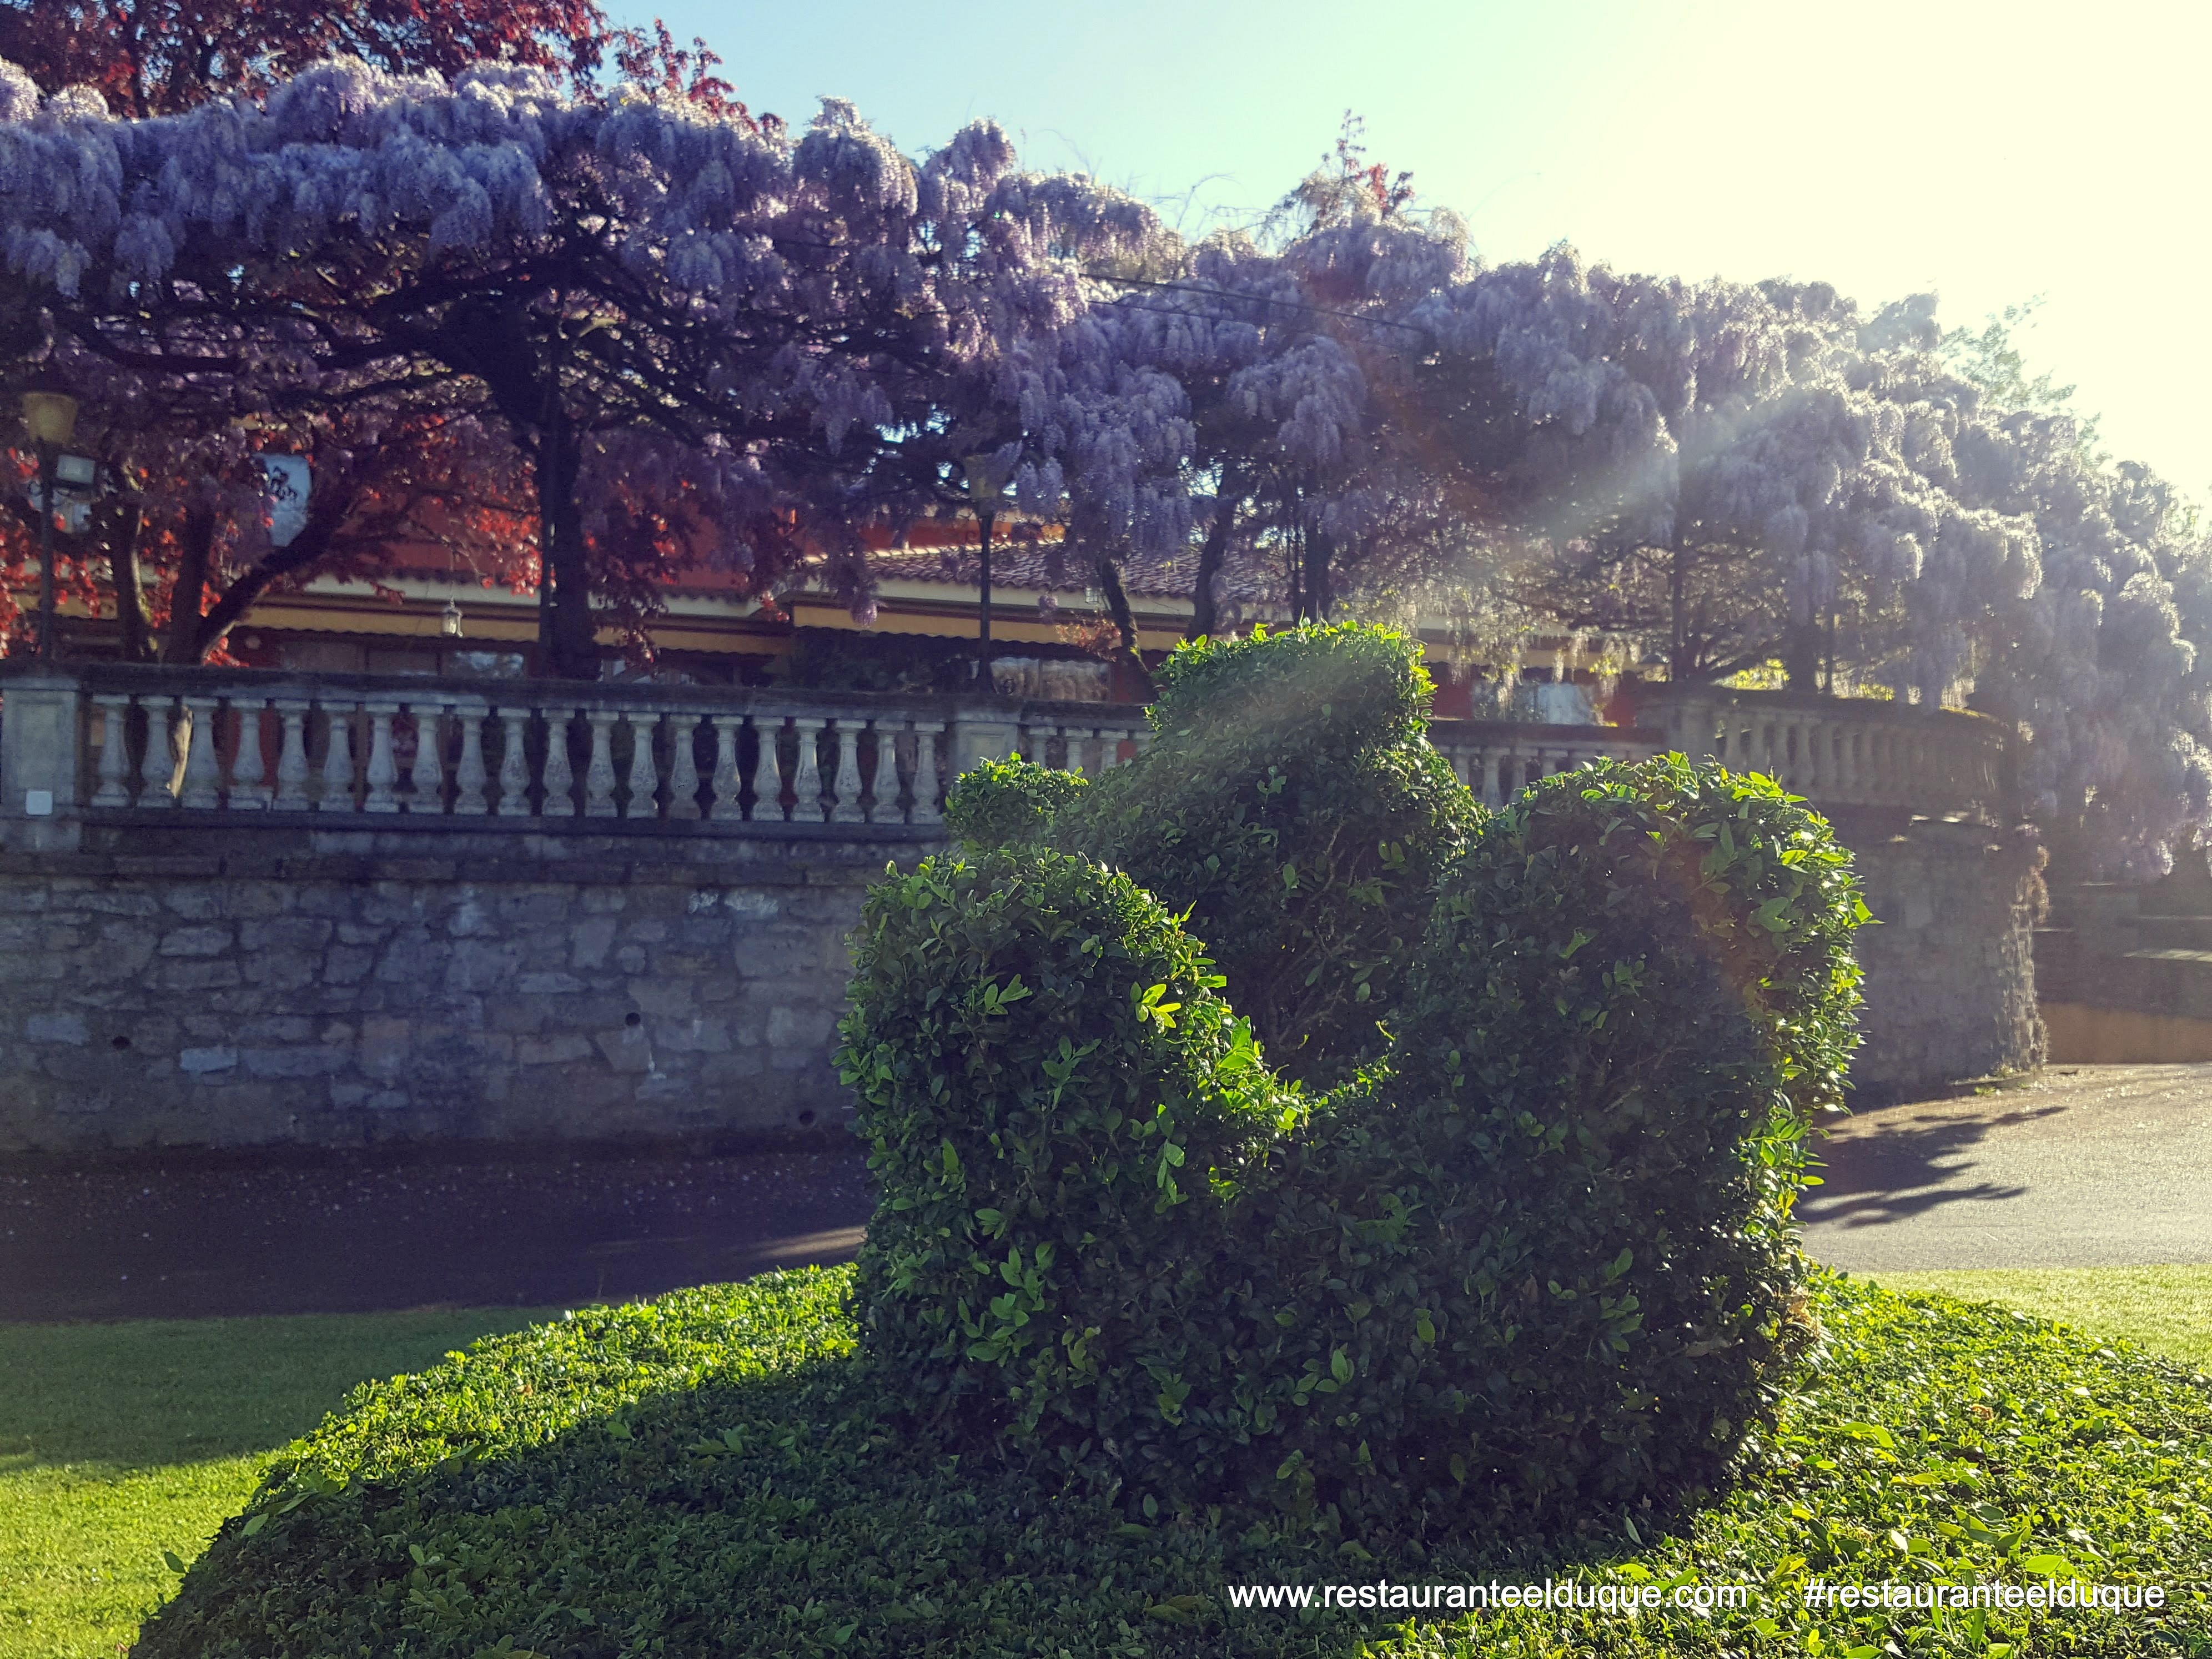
(187, 976)
(58, 1028)
(554, 1050)
(318, 1061)
(196, 942)
(590, 941)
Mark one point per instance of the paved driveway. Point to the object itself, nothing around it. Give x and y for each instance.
(2086, 1166)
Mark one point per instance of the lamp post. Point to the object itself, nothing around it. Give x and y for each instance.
(984, 495)
(51, 418)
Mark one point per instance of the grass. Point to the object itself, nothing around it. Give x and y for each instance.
(719, 1472)
(2166, 1309)
(120, 1442)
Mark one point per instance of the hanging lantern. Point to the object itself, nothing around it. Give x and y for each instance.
(287, 482)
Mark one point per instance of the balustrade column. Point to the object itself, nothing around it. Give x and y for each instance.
(925, 809)
(157, 770)
(291, 756)
(727, 807)
(202, 776)
(515, 764)
(114, 750)
(338, 759)
(767, 780)
(427, 775)
(1074, 737)
(644, 775)
(848, 809)
(599, 771)
(683, 766)
(248, 791)
(383, 768)
(1491, 796)
(884, 793)
(470, 777)
(807, 785)
(559, 776)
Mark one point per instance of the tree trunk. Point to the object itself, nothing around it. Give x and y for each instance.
(123, 576)
(1125, 621)
(181, 643)
(1314, 595)
(1211, 552)
(571, 651)
(1801, 655)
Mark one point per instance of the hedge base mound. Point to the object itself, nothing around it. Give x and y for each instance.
(715, 1472)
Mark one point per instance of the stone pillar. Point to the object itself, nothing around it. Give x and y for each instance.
(41, 760)
(981, 735)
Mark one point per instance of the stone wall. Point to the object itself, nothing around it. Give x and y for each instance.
(231, 999)
(337, 989)
(1950, 971)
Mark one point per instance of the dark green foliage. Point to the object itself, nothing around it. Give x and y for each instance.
(1635, 992)
(1539, 1260)
(1290, 802)
(1007, 803)
(1046, 1119)
(716, 1475)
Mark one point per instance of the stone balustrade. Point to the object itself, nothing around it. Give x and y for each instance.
(117, 744)
(159, 744)
(1497, 759)
(1845, 752)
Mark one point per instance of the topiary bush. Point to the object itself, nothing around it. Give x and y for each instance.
(1537, 1259)
(1010, 803)
(1054, 1133)
(1290, 801)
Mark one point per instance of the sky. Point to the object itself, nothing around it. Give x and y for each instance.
(1991, 154)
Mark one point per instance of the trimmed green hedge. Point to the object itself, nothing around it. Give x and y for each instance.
(1007, 803)
(719, 1474)
(1289, 803)
(1540, 1259)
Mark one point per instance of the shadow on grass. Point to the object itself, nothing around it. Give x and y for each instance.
(153, 1393)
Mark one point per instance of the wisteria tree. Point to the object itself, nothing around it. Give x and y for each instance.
(160, 58)
(702, 331)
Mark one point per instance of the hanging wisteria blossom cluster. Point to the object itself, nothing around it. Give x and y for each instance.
(692, 335)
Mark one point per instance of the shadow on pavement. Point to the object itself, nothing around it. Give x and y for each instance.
(1907, 1161)
(187, 1238)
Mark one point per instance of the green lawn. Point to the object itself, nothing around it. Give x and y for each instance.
(2166, 1309)
(120, 1442)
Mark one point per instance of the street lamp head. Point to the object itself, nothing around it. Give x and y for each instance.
(985, 488)
(51, 417)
